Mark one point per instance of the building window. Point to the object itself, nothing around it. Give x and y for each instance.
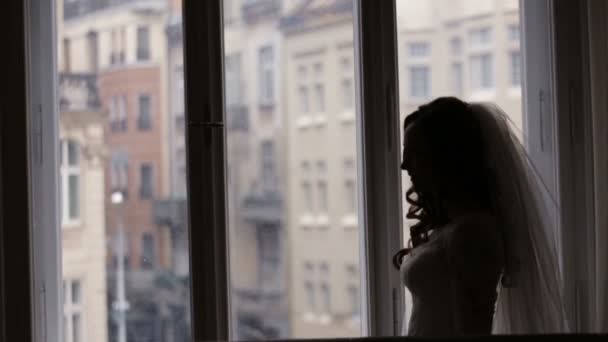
(513, 33)
(143, 43)
(119, 173)
(419, 49)
(121, 109)
(456, 46)
(320, 98)
(322, 190)
(70, 180)
(266, 75)
(351, 196)
(233, 80)
(268, 165)
(482, 77)
(67, 65)
(307, 197)
(93, 50)
(146, 189)
(73, 311)
(515, 68)
(178, 95)
(456, 78)
(347, 94)
(325, 297)
(318, 68)
(144, 119)
(148, 251)
(269, 255)
(420, 87)
(304, 99)
(310, 295)
(481, 37)
(353, 296)
(302, 72)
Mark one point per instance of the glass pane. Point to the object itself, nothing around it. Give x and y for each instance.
(294, 236)
(471, 51)
(122, 129)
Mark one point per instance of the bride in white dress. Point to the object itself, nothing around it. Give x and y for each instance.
(482, 256)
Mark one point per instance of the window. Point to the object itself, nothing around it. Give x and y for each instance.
(482, 76)
(515, 68)
(233, 80)
(113, 113)
(456, 78)
(268, 165)
(420, 87)
(143, 44)
(67, 65)
(513, 33)
(93, 47)
(319, 98)
(307, 197)
(456, 46)
(347, 94)
(481, 37)
(269, 257)
(70, 181)
(304, 99)
(119, 172)
(309, 288)
(266, 75)
(121, 116)
(178, 97)
(113, 48)
(325, 297)
(146, 189)
(144, 120)
(322, 190)
(148, 251)
(73, 311)
(419, 49)
(351, 197)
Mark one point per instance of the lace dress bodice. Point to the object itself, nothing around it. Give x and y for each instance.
(453, 279)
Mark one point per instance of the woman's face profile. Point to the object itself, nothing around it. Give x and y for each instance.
(417, 159)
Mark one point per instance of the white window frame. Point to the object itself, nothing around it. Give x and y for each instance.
(70, 309)
(380, 286)
(67, 171)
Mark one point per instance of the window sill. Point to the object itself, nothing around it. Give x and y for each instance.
(483, 95)
(349, 221)
(304, 122)
(306, 221)
(322, 221)
(347, 117)
(319, 120)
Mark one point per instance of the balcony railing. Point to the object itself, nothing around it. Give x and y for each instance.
(77, 8)
(78, 91)
(256, 10)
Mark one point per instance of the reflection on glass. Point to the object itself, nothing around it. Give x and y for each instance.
(464, 48)
(123, 198)
(292, 207)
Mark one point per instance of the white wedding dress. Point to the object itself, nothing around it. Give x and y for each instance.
(453, 279)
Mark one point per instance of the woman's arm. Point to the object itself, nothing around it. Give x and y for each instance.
(475, 260)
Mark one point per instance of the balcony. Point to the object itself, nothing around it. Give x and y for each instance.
(263, 208)
(257, 10)
(79, 8)
(78, 92)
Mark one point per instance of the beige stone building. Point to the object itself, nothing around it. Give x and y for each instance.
(82, 154)
(464, 48)
(319, 88)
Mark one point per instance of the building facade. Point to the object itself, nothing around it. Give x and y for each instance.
(82, 156)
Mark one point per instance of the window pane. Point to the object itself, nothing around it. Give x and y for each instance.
(73, 195)
(125, 257)
(474, 50)
(293, 226)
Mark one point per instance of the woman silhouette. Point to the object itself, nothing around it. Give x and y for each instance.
(480, 258)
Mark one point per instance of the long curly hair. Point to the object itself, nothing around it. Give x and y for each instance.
(454, 140)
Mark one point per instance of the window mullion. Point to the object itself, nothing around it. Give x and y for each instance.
(378, 143)
(206, 153)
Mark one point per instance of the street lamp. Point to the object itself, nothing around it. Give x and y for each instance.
(120, 305)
